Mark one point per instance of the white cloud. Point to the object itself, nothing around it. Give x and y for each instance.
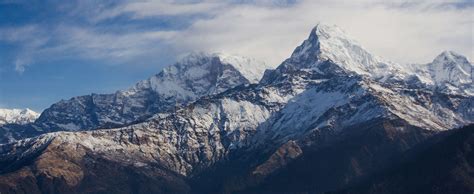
(142, 9)
(96, 45)
(63, 42)
(30, 38)
(402, 31)
(20, 65)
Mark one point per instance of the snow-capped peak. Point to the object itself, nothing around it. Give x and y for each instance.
(17, 116)
(329, 42)
(449, 72)
(450, 56)
(250, 68)
(200, 74)
(451, 67)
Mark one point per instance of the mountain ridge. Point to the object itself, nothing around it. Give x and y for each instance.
(194, 76)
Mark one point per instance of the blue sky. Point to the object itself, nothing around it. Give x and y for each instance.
(52, 50)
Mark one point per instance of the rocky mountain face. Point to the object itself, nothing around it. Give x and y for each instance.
(194, 76)
(328, 117)
(17, 116)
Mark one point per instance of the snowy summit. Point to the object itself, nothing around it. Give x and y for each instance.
(17, 116)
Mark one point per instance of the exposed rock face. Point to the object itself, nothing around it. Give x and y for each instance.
(331, 112)
(283, 155)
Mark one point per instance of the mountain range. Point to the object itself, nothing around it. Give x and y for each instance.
(195, 76)
(17, 116)
(330, 118)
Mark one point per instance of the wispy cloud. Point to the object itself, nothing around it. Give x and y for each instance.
(143, 9)
(403, 31)
(20, 65)
(89, 43)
